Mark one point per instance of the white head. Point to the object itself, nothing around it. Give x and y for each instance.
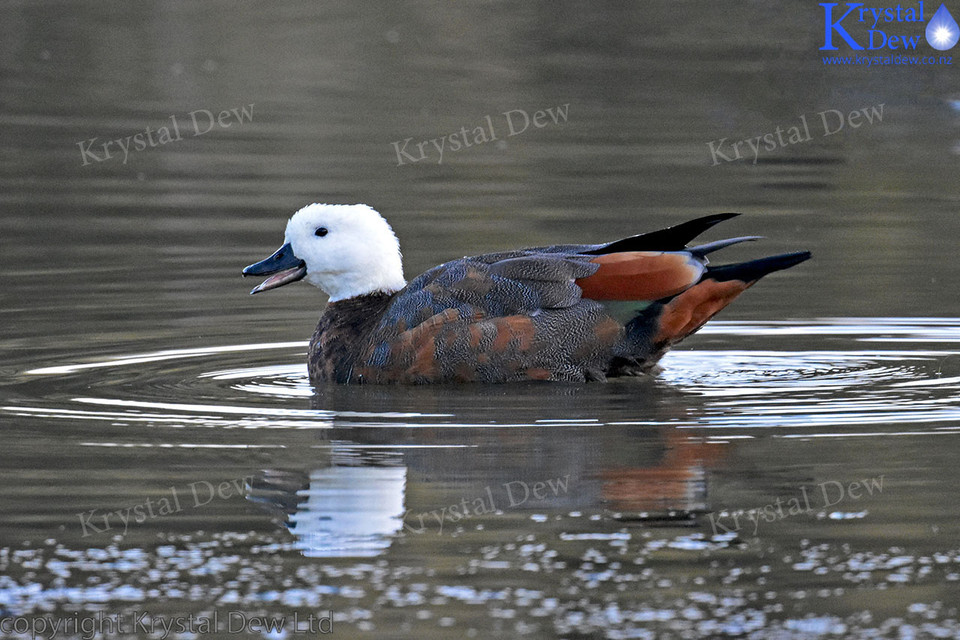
(345, 250)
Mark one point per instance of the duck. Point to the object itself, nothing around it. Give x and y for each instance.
(564, 313)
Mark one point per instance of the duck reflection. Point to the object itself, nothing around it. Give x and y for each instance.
(338, 511)
(441, 461)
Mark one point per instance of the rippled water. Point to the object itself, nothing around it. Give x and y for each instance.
(899, 380)
(665, 503)
(790, 473)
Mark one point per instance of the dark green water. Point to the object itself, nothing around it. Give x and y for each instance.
(791, 473)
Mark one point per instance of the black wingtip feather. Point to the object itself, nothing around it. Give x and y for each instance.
(673, 238)
(755, 269)
(703, 249)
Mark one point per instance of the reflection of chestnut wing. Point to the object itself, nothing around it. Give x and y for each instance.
(678, 482)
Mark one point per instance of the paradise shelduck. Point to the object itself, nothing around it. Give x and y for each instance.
(565, 312)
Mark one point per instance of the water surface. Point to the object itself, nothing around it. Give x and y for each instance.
(789, 473)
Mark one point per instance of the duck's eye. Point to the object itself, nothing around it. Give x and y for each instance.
(322, 231)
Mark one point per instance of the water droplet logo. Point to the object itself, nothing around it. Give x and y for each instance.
(942, 30)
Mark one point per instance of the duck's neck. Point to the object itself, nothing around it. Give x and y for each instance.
(358, 312)
(343, 334)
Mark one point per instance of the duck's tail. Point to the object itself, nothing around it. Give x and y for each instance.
(750, 272)
(685, 313)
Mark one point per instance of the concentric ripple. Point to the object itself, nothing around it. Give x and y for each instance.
(832, 377)
(348, 492)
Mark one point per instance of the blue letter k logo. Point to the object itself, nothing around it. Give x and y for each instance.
(830, 27)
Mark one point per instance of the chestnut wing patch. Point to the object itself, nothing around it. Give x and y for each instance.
(690, 310)
(641, 275)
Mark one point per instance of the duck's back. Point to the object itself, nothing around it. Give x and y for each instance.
(492, 318)
(570, 313)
